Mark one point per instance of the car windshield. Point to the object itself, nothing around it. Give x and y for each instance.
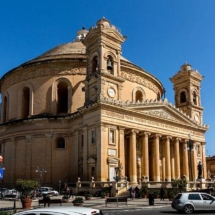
(178, 196)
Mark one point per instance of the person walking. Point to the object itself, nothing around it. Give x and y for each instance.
(162, 193)
(133, 193)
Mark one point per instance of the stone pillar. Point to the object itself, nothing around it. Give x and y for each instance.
(156, 156)
(163, 169)
(145, 154)
(133, 157)
(177, 158)
(204, 161)
(167, 158)
(194, 162)
(49, 157)
(172, 159)
(121, 149)
(185, 159)
(28, 157)
(12, 160)
(85, 154)
(74, 166)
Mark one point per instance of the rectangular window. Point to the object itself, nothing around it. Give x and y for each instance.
(92, 136)
(112, 138)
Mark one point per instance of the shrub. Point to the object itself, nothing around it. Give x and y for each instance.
(26, 186)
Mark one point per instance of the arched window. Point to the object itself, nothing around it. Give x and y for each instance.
(62, 94)
(194, 98)
(159, 97)
(94, 64)
(183, 97)
(110, 64)
(5, 103)
(60, 143)
(139, 96)
(25, 102)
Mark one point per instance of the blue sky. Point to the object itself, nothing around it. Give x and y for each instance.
(161, 36)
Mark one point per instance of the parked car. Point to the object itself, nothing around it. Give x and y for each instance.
(48, 191)
(62, 210)
(193, 201)
(11, 193)
(2, 192)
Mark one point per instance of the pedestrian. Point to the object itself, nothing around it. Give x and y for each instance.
(71, 193)
(162, 193)
(133, 193)
(46, 200)
(130, 189)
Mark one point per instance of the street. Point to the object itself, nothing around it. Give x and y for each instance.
(152, 211)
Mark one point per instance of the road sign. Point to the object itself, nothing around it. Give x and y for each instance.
(1, 173)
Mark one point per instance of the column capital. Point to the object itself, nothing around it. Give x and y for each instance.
(156, 135)
(176, 139)
(144, 133)
(166, 137)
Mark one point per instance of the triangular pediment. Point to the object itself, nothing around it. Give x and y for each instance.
(163, 111)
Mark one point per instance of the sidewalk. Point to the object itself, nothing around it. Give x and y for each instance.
(96, 202)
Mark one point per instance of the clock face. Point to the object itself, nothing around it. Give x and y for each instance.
(111, 92)
(196, 118)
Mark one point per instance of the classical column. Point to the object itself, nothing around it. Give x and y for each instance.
(167, 158)
(185, 159)
(194, 162)
(163, 169)
(133, 157)
(145, 154)
(156, 156)
(172, 159)
(85, 155)
(177, 157)
(121, 149)
(204, 161)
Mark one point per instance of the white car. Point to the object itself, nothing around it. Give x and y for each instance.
(193, 201)
(48, 191)
(62, 210)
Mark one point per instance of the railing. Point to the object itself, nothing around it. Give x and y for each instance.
(123, 186)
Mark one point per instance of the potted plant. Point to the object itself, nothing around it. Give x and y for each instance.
(103, 195)
(170, 195)
(78, 201)
(65, 198)
(144, 192)
(25, 187)
(156, 193)
(88, 196)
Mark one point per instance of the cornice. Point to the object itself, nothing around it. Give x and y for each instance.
(42, 70)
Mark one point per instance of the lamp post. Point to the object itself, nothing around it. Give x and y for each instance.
(40, 170)
(116, 171)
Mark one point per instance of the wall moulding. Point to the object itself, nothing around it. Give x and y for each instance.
(153, 124)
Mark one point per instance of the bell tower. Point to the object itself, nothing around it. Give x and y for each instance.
(103, 47)
(187, 92)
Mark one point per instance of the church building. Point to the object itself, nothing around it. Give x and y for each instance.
(81, 109)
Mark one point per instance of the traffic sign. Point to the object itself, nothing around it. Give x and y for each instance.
(1, 173)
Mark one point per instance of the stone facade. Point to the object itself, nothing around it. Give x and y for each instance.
(81, 109)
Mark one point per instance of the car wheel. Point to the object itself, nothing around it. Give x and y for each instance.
(188, 209)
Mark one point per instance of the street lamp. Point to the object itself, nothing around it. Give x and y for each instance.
(40, 170)
(116, 178)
